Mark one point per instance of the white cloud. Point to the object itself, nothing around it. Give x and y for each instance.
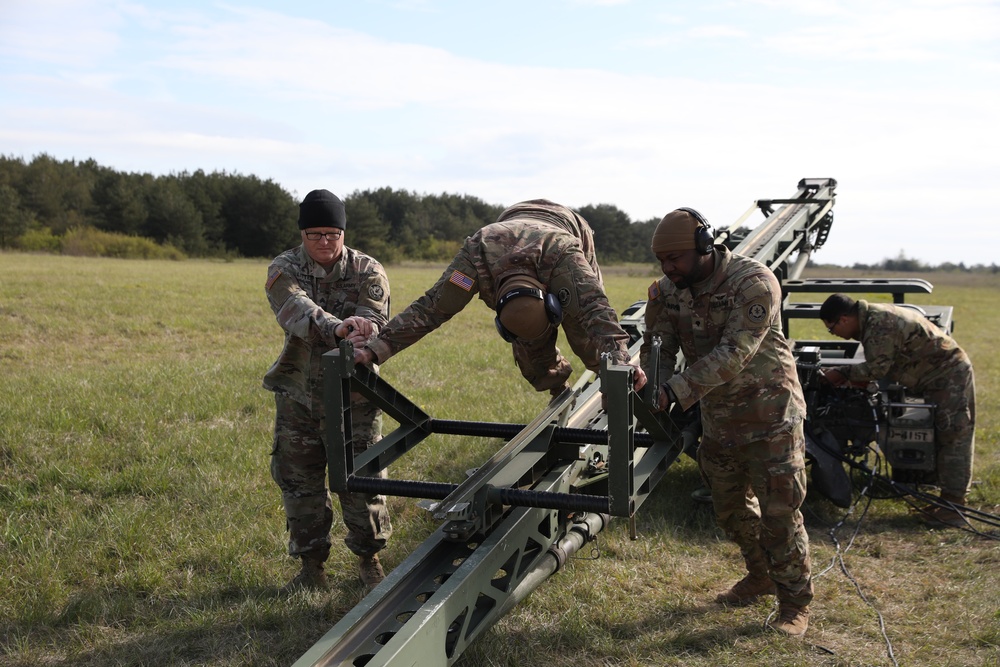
(58, 32)
(717, 31)
(878, 30)
(306, 102)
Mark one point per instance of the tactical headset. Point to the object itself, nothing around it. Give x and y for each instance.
(703, 239)
(553, 309)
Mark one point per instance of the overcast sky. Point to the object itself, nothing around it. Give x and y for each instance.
(644, 104)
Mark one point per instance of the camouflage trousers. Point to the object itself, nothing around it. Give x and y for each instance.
(954, 428)
(298, 465)
(543, 365)
(757, 490)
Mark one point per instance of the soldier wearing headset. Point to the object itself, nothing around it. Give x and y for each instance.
(537, 269)
(723, 312)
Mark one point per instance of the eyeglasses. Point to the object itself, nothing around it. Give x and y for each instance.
(831, 327)
(329, 236)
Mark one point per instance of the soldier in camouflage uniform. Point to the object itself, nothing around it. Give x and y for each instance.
(321, 292)
(536, 267)
(902, 346)
(723, 312)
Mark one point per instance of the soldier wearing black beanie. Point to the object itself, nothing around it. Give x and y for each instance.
(322, 292)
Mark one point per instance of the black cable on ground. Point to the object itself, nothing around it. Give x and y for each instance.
(906, 492)
(913, 496)
(838, 557)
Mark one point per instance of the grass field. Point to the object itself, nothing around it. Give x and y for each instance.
(139, 524)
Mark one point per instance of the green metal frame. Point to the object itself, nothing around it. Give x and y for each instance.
(498, 542)
(473, 506)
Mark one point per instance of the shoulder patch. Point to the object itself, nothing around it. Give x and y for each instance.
(462, 280)
(272, 276)
(376, 292)
(756, 312)
(654, 290)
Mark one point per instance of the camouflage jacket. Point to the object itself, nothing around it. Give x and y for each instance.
(309, 303)
(903, 346)
(739, 364)
(539, 239)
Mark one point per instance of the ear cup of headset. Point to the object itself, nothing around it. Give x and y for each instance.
(553, 309)
(502, 330)
(703, 240)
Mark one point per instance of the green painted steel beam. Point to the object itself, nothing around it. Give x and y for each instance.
(448, 591)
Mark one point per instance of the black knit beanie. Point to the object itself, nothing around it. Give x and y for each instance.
(322, 208)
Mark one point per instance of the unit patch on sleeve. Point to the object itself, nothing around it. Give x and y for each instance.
(756, 312)
(376, 292)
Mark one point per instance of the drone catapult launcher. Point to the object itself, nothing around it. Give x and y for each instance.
(597, 451)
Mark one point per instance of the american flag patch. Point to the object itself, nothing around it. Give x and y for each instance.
(462, 280)
(654, 291)
(273, 276)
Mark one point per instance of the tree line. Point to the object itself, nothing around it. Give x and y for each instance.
(45, 203)
(222, 214)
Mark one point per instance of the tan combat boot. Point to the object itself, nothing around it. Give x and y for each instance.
(793, 619)
(747, 590)
(942, 514)
(370, 570)
(311, 576)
